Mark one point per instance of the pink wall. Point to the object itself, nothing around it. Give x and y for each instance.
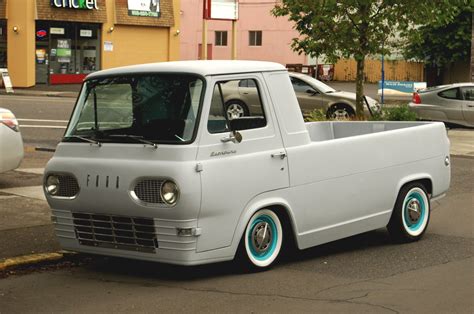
(253, 15)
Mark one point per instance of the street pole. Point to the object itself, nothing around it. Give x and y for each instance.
(234, 40)
(383, 75)
(204, 40)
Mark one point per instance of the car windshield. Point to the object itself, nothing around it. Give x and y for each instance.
(155, 108)
(318, 84)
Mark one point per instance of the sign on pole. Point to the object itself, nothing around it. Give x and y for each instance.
(7, 83)
(221, 10)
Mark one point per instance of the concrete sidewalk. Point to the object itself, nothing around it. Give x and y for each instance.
(66, 90)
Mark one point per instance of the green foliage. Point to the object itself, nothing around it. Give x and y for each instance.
(398, 113)
(439, 45)
(315, 115)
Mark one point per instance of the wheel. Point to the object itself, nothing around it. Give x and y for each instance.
(262, 240)
(340, 112)
(411, 214)
(236, 109)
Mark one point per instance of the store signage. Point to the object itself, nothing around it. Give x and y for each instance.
(85, 33)
(42, 33)
(221, 10)
(75, 4)
(146, 8)
(56, 31)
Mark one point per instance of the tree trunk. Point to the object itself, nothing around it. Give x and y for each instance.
(360, 89)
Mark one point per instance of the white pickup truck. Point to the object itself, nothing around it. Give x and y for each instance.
(151, 167)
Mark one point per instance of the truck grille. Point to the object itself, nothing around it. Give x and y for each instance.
(149, 191)
(116, 232)
(68, 186)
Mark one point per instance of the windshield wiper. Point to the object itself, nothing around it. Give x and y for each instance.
(85, 139)
(137, 138)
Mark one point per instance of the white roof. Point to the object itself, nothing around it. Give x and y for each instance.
(201, 67)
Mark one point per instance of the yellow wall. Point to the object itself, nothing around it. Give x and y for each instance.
(139, 44)
(21, 45)
(346, 70)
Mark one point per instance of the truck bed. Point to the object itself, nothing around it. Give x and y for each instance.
(331, 130)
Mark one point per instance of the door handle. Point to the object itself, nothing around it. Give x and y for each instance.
(470, 106)
(281, 155)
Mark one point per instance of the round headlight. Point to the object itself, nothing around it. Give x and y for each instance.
(52, 185)
(169, 192)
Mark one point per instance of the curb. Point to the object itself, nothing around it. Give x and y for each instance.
(29, 259)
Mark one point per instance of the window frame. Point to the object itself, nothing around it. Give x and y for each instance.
(254, 38)
(260, 98)
(463, 92)
(459, 95)
(218, 38)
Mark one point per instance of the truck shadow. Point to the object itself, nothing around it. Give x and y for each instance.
(158, 271)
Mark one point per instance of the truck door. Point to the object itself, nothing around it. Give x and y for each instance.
(232, 174)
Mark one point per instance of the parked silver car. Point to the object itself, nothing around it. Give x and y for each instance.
(452, 103)
(11, 143)
(241, 96)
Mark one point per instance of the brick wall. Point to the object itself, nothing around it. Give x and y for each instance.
(166, 18)
(3, 9)
(49, 13)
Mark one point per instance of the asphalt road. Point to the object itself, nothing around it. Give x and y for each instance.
(365, 273)
(362, 274)
(42, 119)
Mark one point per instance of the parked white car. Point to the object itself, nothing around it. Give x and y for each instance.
(152, 168)
(11, 143)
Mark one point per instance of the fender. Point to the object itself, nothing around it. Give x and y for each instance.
(411, 178)
(254, 205)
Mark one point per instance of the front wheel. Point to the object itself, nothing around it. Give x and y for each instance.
(340, 112)
(262, 240)
(411, 214)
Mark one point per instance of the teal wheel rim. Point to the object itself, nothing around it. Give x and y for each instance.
(414, 211)
(263, 220)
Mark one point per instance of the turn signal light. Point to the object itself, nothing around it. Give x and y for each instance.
(416, 98)
(9, 120)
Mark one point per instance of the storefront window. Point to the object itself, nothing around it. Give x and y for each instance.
(65, 48)
(3, 44)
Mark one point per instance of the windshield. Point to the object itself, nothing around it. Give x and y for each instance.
(155, 108)
(319, 85)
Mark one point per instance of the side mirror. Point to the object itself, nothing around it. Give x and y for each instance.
(234, 137)
(312, 92)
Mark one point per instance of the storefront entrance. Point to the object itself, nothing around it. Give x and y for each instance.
(66, 52)
(3, 44)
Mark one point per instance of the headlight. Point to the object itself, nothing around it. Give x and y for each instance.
(169, 192)
(52, 185)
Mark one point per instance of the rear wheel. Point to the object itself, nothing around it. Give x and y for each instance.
(411, 214)
(262, 240)
(340, 112)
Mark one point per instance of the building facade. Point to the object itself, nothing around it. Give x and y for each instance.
(260, 36)
(61, 41)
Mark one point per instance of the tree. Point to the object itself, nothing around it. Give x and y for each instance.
(440, 45)
(359, 28)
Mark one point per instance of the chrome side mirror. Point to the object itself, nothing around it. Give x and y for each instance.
(234, 137)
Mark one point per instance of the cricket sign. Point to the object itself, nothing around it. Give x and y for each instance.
(145, 8)
(75, 4)
(221, 10)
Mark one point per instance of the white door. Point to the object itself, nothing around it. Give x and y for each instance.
(234, 173)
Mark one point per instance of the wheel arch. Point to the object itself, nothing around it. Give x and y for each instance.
(280, 207)
(425, 179)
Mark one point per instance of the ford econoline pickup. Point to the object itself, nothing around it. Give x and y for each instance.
(151, 167)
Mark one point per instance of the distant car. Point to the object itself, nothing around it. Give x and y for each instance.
(241, 95)
(11, 143)
(452, 103)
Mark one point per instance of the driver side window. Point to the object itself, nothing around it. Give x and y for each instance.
(238, 101)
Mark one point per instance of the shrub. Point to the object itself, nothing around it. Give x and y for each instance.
(315, 115)
(398, 113)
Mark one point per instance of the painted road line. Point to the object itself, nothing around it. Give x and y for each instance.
(35, 192)
(44, 120)
(29, 259)
(43, 126)
(31, 170)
